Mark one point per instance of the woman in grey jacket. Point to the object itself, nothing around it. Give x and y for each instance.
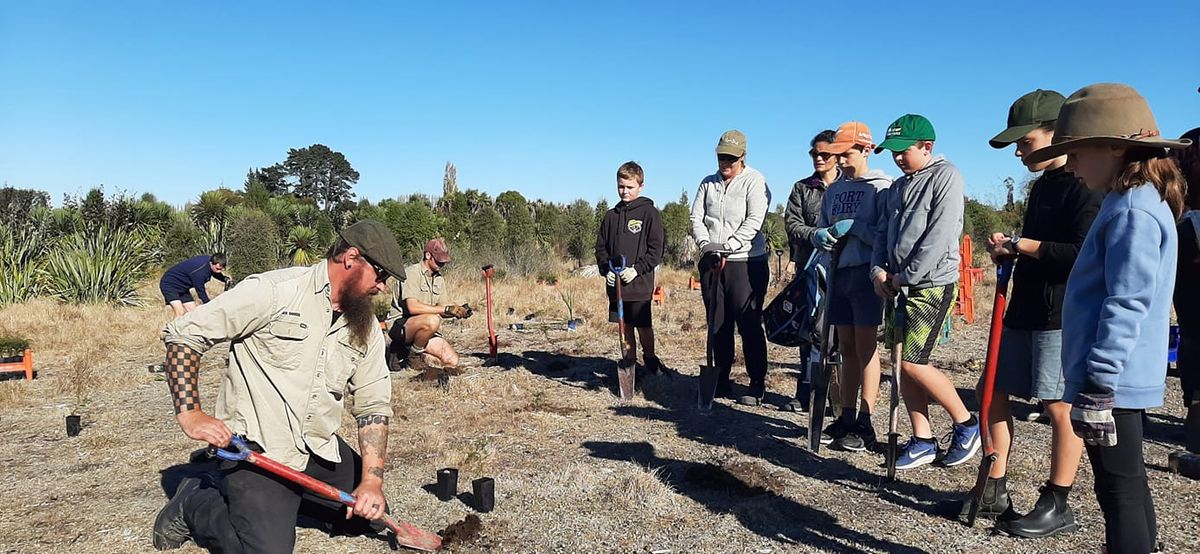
(727, 217)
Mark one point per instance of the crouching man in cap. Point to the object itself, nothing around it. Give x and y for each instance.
(301, 339)
(419, 307)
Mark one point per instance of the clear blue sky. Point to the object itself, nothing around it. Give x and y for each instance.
(178, 97)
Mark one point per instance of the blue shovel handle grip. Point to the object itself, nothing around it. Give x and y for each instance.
(239, 453)
(618, 268)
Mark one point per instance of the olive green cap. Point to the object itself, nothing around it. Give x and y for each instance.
(376, 242)
(1028, 113)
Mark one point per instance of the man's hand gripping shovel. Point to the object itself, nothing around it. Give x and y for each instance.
(406, 534)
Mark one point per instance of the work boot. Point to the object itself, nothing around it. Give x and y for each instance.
(755, 395)
(170, 530)
(1050, 515)
(995, 504)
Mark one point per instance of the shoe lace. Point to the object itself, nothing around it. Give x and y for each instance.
(946, 441)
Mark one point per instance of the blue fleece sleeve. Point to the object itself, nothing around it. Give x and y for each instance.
(1133, 249)
(199, 277)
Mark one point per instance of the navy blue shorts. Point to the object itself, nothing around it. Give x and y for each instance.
(170, 295)
(852, 298)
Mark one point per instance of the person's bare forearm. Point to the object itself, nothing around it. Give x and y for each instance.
(416, 307)
(372, 445)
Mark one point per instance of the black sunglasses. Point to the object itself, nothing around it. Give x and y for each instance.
(727, 158)
(381, 275)
(822, 155)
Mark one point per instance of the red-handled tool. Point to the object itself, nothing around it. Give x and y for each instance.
(1003, 272)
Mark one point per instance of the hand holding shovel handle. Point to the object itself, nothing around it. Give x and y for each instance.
(406, 533)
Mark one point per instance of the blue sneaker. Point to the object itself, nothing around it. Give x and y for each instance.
(963, 445)
(916, 453)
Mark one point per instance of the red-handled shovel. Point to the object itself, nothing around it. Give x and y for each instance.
(1003, 272)
(406, 533)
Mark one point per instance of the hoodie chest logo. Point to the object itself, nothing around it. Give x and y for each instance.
(634, 226)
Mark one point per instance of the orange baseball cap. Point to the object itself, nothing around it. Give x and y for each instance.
(852, 133)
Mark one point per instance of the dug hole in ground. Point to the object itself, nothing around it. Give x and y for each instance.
(576, 470)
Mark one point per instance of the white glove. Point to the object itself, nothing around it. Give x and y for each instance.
(611, 279)
(628, 275)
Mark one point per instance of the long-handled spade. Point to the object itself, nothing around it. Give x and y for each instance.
(710, 374)
(899, 320)
(406, 534)
(493, 343)
(1003, 272)
(830, 361)
(626, 369)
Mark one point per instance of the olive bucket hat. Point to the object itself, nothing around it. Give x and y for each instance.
(1105, 114)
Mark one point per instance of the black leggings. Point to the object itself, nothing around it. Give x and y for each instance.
(1122, 489)
(735, 296)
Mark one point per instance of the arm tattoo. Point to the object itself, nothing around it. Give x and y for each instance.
(183, 377)
(372, 441)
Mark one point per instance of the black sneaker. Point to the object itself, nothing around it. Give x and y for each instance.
(835, 431)
(754, 396)
(860, 437)
(170, 530)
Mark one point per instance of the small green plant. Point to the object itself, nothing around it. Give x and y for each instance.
(11, 346)
(568, 298)
(547, 278)
(382, 309)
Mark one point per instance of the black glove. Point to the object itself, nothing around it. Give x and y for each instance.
(712, 248)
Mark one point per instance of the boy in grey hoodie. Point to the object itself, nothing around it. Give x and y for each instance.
(849, 215)
(727, 218)
(916, 253)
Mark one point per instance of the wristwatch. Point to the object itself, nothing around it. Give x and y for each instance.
(1012, 243)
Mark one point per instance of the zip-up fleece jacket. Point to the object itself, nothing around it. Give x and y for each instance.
(193, 272)
(860, 199)
(919, 243)
(632, 229)
(1119, 298)
(1059, 212)
(732, 213)
(801, 215)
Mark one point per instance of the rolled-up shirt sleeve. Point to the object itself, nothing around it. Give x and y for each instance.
(371, 383)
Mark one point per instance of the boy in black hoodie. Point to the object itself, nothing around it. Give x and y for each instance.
(633, 229)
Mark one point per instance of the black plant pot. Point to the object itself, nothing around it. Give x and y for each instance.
(484, 491)
(74, 425)
(447, 484)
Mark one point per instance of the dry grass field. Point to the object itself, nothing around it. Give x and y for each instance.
(576, 470)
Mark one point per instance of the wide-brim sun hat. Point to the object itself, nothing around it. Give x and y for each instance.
(1104, 114)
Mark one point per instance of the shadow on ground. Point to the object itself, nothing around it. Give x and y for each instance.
(759, 509)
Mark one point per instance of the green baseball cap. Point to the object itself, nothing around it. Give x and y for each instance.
(733, 143)
(905, 131)
(376, 242)
(1028, 113)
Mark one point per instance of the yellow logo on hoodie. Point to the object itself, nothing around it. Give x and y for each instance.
(634, 226)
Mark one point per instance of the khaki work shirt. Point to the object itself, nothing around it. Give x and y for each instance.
(420, 283)
(290, 366)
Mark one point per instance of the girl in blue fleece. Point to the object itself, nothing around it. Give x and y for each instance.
(1114, 344)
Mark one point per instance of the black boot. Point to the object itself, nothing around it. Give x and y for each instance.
(995, 503)
(800, 402)
(1050, 515)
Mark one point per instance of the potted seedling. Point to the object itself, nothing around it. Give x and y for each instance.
(568, 298)
(12, 349)
(81, 377)
(381, 313)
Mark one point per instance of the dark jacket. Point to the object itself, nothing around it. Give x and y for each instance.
(1058, 213)
(193, 273)
(1187, 274)
(800, 216)
(634, 230)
